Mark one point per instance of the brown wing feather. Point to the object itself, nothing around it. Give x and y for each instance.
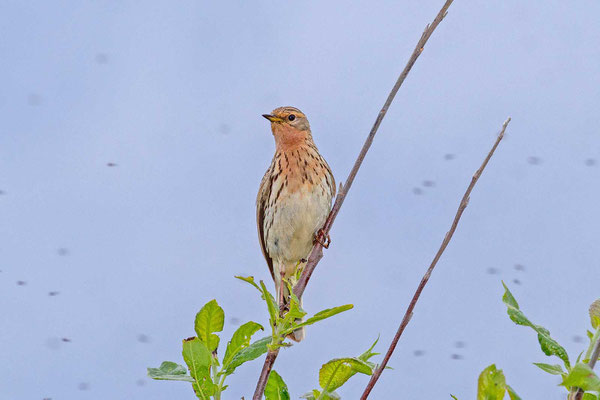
(264, 192)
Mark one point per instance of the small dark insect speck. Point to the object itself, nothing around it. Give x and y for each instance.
(533, 160)
(66, 340)
(417, 191)
(143, 338)
(428, 183)
(449, 156)
(83, 386)
(34, 99)
(2, 192)
(456, 357)
(516, 281)
(519, 267)
(53, 293)
(111, 164)
(492, 271)
(101, 58)
(590, 162)
(224, 129)
(62, 251)
(577, 339)
(21, 283)
(418, 353)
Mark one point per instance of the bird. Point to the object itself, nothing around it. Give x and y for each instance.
(293, 201)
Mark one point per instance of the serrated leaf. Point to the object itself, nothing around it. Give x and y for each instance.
(582, 376)
(250, 280)
(249, 353)
(198, 358)
(336, 372)
(554, 369)
(491, 384)
(170, 371)
(276, 388)
(321, 315)
(548, 345)
(240, 340)
(209, 319)
(595, 314)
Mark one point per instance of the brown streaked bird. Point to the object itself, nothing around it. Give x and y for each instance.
(293, 200)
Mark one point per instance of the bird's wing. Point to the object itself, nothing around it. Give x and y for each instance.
(264, 192)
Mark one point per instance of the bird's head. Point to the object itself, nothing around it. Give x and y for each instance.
(289, 126)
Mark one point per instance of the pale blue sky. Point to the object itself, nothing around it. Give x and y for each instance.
(172, 93)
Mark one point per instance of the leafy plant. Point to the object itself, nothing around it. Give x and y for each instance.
(334, 373)
(581, 374)
(492, 385)
(284, 322)
(207, 373)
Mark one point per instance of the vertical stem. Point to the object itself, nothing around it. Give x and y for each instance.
(264, 374)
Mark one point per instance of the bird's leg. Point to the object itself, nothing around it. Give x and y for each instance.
(281, 283)
(323, 238)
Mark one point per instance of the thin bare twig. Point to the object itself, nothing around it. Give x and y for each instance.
(317, 251)
(409, 311)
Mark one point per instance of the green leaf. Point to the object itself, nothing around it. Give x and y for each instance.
(240, 340)
(595, 314)
(491, 384)
(589, 396)
(454, 397)
(249, 353)
(336, 372)
(330, 312)
(583, 377)
(271, 304)
(276, 388)
(512, 394)
(170, 371)
(209, 319)
(198, 358)
(554, 369)
(368, 353)
(549, 346)
(250, 280)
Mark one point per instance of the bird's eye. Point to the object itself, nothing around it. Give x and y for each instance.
(291, 117)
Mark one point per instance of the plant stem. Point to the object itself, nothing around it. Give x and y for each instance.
(593, 341)
(409, 311)
(592, 354)
(214, 379)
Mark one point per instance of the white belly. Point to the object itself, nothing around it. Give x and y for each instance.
(296, 219)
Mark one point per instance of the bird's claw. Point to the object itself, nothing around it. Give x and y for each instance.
(323, 238)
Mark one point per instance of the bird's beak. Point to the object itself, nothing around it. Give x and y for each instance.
(272, 118)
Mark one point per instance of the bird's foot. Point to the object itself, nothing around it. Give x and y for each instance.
(323, 238)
